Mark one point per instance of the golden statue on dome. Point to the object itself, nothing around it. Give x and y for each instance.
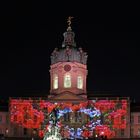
(69, 22)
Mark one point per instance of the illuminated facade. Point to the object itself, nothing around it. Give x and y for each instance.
(67, 109)
(135, 121)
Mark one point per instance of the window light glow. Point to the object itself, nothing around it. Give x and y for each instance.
(55, 82)
(80, 82)
(67, 81)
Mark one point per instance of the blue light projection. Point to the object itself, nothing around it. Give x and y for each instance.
(91, 112)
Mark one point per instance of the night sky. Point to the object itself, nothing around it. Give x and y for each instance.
(30, 32)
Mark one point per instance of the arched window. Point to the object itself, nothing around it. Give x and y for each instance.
(67, 81)
(55, 82)
(80, 82)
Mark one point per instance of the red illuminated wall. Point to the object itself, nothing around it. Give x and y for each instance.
(31, 114)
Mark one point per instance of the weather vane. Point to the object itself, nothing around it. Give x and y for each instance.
(69, 21)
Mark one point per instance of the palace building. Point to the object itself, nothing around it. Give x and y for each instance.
(68, 111)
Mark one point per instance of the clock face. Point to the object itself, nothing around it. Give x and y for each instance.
(67, 67)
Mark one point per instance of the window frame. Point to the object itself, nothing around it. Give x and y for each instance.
(1, 118)
(122, 132)
(138, 118)
(132, 119)
(67, 78)
(80, 82)
(55, 81)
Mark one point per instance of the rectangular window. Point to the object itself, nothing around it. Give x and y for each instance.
(15, 131)
(79, 116)
(7, 119)
(55, 82)
(68, 116)
(0, 118)
(132, 132)
(67, 81)
(65, 117)
(132, 119)
(139, 132)
(122, 132)
(80, 82)
(25, 131)
(76, 116)
(138, 119)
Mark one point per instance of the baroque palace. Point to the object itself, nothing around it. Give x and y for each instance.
(68, 112)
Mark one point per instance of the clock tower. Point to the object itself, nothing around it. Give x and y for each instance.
(68, 70)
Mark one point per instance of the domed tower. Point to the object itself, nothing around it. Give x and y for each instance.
(68, 70)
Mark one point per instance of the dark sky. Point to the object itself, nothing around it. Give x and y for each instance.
(30, 32)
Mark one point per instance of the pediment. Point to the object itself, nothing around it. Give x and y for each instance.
(67, 96)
